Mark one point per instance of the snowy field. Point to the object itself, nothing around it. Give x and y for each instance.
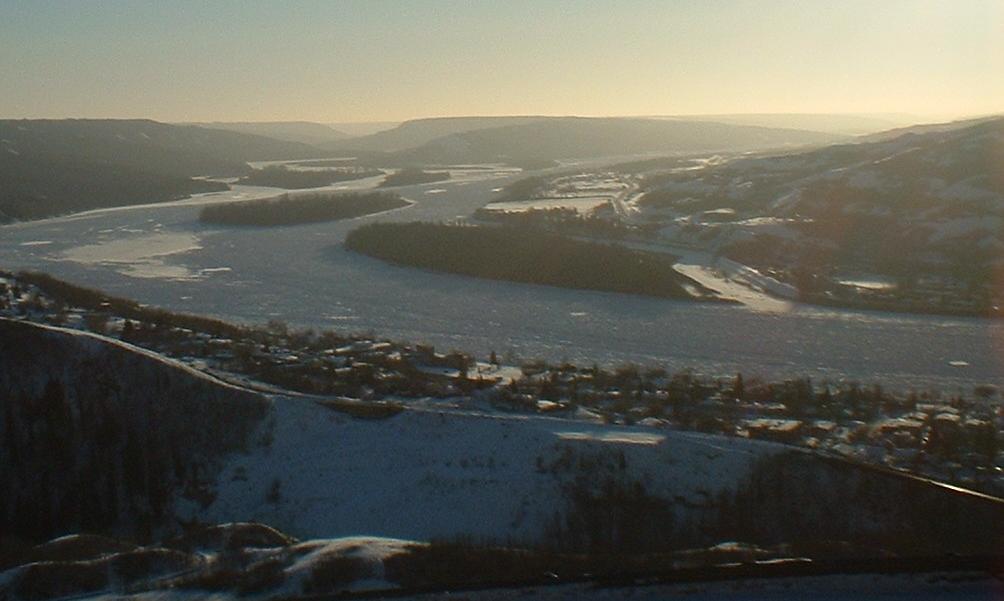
(418, 474)
(301, 274)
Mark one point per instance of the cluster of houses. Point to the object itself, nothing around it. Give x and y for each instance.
(324, 364)
(951, 439)
(955, 439)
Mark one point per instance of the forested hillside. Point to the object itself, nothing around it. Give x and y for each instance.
(50, 167)
(100, 437)
(147, 145)
(33, 187)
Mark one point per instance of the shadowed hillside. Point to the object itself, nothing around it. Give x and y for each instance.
(51, 167)
(32, 187)
(147, 145)
(99, 436)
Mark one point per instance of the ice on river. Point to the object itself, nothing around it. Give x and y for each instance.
(303, 275)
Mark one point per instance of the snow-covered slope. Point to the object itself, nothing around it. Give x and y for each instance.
(920, 204)
(425, 474)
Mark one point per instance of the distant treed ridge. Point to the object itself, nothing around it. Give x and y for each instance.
(291, 210)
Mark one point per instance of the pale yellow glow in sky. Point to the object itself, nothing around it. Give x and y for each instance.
(392, 60)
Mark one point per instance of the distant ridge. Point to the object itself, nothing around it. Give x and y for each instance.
(584, 137)
(52, 167)
(846, 124)
(417, 132)
(145, 144)
(305, 132)
(363, 128)
(926, 128)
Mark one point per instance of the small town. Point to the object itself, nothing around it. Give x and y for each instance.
(952, 439)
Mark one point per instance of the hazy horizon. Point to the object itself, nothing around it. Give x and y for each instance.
(362, 62)
(901, 117)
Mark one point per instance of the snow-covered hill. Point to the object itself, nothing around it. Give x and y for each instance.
(918, 206)
(945, 173)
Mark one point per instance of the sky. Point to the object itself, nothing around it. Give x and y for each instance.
(390, 60)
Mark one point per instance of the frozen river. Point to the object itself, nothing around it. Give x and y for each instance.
(161, 254)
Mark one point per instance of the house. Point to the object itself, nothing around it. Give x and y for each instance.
(788, 431)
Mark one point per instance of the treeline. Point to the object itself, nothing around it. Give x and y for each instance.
(411, 176)
(836, 500)
(291, 210)
(279, 176)
(811, 505)
(535, 257)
